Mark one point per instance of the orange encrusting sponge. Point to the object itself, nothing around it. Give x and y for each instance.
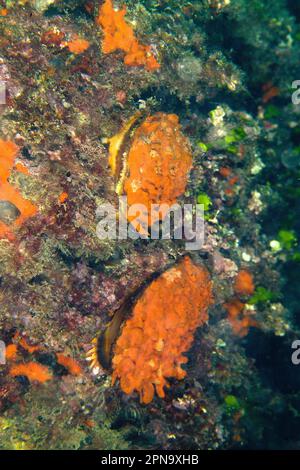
(32, 370)
(77, 45)
(11, 352)
(8, 153)
(161, 329)
(70, 364)
(118, 35)
(244, 284)
(239, 317)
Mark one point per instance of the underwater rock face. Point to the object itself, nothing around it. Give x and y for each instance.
(41, 5)
(223, 69)
(189, 69)
(161, 330)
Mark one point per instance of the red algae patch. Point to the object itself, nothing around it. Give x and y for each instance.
(164, 319)
(118, 35)
(52, 37)
(32, 370)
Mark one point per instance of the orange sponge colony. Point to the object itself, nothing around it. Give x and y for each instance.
(32, 370)
(240, 318)
(244, 284)
(158, 165)
(8, 153)
(161, 329)
(10, 195)
(77, 45)
(118, 35)
(70, 364)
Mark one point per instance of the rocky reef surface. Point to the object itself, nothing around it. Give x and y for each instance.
(73, 74)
